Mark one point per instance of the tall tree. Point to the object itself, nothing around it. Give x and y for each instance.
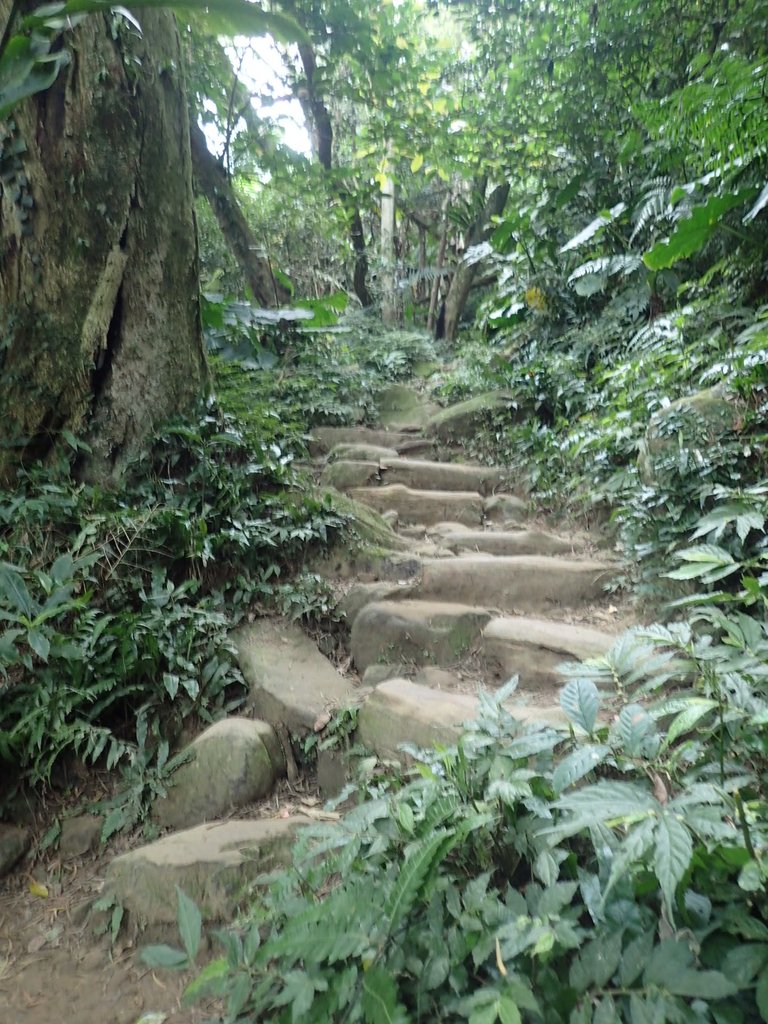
(99, 310)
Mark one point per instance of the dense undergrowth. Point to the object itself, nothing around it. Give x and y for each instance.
(116, 605)
(616, 873)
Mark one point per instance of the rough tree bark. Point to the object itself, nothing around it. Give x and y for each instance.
(465, 274)
(213, 182)
(99, 307)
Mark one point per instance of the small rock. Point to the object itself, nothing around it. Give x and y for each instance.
(14, 842)
(235, 762)
(79, 835)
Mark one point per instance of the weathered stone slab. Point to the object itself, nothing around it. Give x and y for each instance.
(415, 632)
(326, 438)
(500, 542)
(234, 762)
(369, 526)
(399, 711)
(424, 506)
(348, 473)
(364, 452)
(14, 843)
(504, 508)
(362, 594)
(402, 408)
(533, 648)
(290, 680)
(424, 475)
(213, 864)
(525, 583)
(461, 421)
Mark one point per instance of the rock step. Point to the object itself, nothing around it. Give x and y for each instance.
(415, 632)
(364, 452)
(523, 583)
(498, 542)
(461, 421)
(418, 474)
(533, 648)
(429, 507)
(399, 711)
(212, 864)
(324, 439)
(290, 681)
(424, 475)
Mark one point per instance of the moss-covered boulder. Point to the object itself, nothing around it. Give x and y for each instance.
(462, 421)
(369, 527)
(402, 408)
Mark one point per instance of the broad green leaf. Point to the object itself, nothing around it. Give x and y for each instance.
(20, 79)
(635, 958)
(635, 725)
(674, 849)
(578, 764)
(761, 994)
(14, 591)
(380, 1003)
(688, 718)
(39, 643)
(190, 923)
(417, 163)
(692, 234)
(164, 956)
(589, 232)
(596, 963)
(632, 851)
(580, 701)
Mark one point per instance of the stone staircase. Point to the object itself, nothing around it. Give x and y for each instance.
(450, 589)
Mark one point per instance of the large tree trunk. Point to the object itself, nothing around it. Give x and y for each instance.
(214, 184)
(465, 274)
(99, 308)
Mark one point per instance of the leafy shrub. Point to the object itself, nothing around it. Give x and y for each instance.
(613, 874)
(114, 632)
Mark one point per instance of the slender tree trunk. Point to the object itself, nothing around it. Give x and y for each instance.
(439, 264)
(464, 277)
(214, 184)
(99, 304)
(389, 309)
(319, 120)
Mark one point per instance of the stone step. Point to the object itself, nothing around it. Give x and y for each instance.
(346, 474)
(366, 452)
(499, 542)
(290, 681)
(324, 439)
(524, 583)
(533, 648)
(460, 422)
(423, 506)
(415, 632)
(399, 711)
(402, 408)
(212, 864)
(421, 474)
